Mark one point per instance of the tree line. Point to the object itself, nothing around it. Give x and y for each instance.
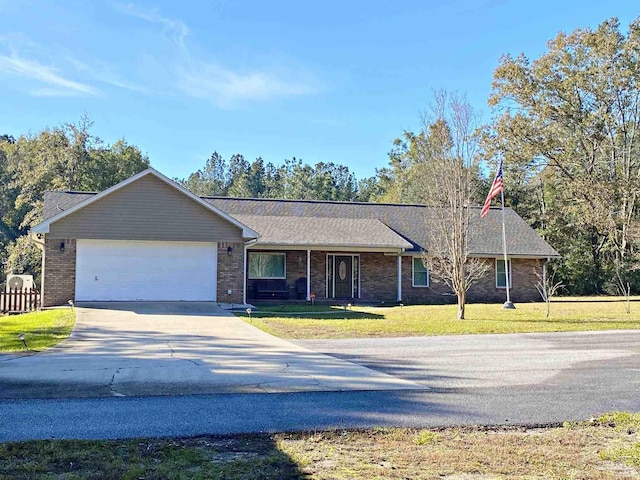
(67, 157)
(293, 179)
(565, 124)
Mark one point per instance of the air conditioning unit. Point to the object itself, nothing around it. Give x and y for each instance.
(19, 282)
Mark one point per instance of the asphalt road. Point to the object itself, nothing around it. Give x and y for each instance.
(501, 379)
(472, 361)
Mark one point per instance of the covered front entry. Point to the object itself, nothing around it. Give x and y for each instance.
(343, 276)
(119, 270)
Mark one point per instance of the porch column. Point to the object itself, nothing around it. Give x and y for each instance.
(399, 277)
(308, 275)
(244, 274)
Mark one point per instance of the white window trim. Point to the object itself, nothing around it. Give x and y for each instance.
(510, 275)
(333, 278)
(282, 254)
(413, 278)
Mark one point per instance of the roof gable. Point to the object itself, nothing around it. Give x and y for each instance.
(81, 201)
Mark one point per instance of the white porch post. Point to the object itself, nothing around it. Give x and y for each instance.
(399, 277)
(308, 275)
(244, 274)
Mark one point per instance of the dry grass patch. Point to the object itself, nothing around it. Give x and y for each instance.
(567, 314)
(587, 451)
(461, 453)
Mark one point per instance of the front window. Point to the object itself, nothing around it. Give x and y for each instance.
(501, 278)
(267, 265)
(420, 273)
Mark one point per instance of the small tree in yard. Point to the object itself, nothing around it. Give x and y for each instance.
(547, 287)
(624, 271)
(449, 180)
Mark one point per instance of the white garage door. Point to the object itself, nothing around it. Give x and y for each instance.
(115, 270)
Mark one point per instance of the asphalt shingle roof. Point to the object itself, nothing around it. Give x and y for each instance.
(412, 222)
(311, 222)
(56, 202)
(326, 231)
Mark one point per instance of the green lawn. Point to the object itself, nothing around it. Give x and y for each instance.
(605, 448)
(42, 329)
(567, 314)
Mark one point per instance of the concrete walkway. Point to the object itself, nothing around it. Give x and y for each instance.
(177, 348)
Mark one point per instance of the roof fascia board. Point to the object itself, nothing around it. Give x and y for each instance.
(501, 255)
(324, 248)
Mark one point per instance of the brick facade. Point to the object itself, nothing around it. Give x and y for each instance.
(436, 292)
(523, 283)
(59, 271)
(378, 277)
(378, 280)
(230, 272)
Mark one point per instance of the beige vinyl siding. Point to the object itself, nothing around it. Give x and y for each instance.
(147, 209)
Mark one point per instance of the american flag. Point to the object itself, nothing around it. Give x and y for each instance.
(496, 188)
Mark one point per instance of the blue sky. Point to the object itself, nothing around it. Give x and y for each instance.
(322, 81)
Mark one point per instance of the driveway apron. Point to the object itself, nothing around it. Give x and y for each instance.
(177, 348)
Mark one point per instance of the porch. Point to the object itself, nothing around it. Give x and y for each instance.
(326, 276)
(372, 278)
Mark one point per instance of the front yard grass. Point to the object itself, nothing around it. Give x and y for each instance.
(606, 448)
(567, 314)
(41, 329)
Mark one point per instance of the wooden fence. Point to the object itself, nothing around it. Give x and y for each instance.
(19, 301)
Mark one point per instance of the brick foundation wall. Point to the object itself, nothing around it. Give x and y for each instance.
(59, 272)
(230, 272)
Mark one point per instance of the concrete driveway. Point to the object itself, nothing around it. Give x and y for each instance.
(177, 348)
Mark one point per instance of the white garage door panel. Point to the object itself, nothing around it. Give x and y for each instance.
(127, 270)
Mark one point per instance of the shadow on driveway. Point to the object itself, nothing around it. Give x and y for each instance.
(177, 348)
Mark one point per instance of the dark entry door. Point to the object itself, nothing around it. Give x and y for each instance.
(344, 277)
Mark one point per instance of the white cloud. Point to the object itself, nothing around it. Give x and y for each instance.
(56, 84)
(105, 73)
(208, 79)
(224, 87)
(175, 29)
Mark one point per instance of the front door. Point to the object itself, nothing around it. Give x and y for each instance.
(344, 277)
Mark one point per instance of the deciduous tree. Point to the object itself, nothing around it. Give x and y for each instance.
(570, 121)
(449, 181)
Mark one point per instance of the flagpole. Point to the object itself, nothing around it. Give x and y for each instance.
(508, 304)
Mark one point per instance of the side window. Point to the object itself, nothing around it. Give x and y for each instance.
(420, 273)
(501, 277)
